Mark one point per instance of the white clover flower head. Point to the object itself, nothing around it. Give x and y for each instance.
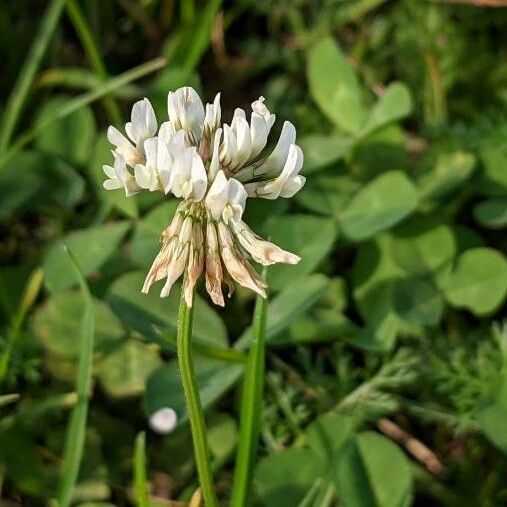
(214, 168)
(163, 421)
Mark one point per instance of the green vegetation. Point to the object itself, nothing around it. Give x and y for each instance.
(385, 349)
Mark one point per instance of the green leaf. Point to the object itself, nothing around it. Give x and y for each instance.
(327, 434)
(144, 311)
(308, 236)
(381, 204)
(327, 193)
(164, 387)
(125, 370)
(71, 137)
(423, 248)
(33, 180)
(479, 281)
(93, 246)
(145, 243)
(291, 302)
(57, 324)
(76, 427)
(102, 156)
(417, 302)
(451, 171)
(222, 436)
(282, 479)
(333, 85)
(492, 179)
(492, 213)
(491, 419)
(372, 471)
(321, 151)
(393, 105)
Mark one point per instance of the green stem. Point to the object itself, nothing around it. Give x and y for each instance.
(85, 35)
(24, 82)
(195, 413)
(251, 408)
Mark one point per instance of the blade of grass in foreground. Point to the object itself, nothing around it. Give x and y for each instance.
(88, 42)
(21, 88)
(83, 100)
(140, 484)
(251, 408)
(75, 437)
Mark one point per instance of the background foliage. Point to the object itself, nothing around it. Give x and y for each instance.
(387, 359)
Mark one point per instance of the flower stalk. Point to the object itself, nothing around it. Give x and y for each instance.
(251, 408)
(195, 413)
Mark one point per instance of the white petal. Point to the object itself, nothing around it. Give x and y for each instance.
(199, 178)
(292, 186)
(278, 156)
(215, 158)
(143, 122)
(112, 184)
(243, 141)
(259, 130)
(143, 176)
(216, 199)
(180, 174)
(228, 148)
(109, 171)
(124, 147)
(166, 131)
(186, 111)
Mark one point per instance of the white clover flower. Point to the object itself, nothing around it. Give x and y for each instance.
(213, 168)
(163, 421)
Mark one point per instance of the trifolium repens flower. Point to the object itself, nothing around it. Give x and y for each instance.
(213, 168)
(163, 421)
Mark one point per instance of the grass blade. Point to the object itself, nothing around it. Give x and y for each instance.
(75, 437)
(93, 54)
(24, 82)
(81, 101)
(251, 408)
(5, 399)
(140, 482)
(29, 296)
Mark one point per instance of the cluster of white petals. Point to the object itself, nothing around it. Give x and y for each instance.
(213, 168)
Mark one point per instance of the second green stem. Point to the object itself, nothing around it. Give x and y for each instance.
(195, 413)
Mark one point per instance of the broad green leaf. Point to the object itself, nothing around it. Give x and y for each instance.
(451, 171)
(57, 324)
(308, 236)
(124, 371)
(382, 203)
(282, 479)
(146, 243)
(328, 193)
(321, 151)
(424, 249)
(479, 281)
(92, 247)
(491, 419)
(327, 434)
(492, 213)
(333, 85)
(222, 435)
(492, 180)
(102, 156)
(144, 311)
(393, 105)
(291, 302)
(417, 302)
(30, 181)
(164, 387)
(379, 152)
(373, 471)
(71, 137)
